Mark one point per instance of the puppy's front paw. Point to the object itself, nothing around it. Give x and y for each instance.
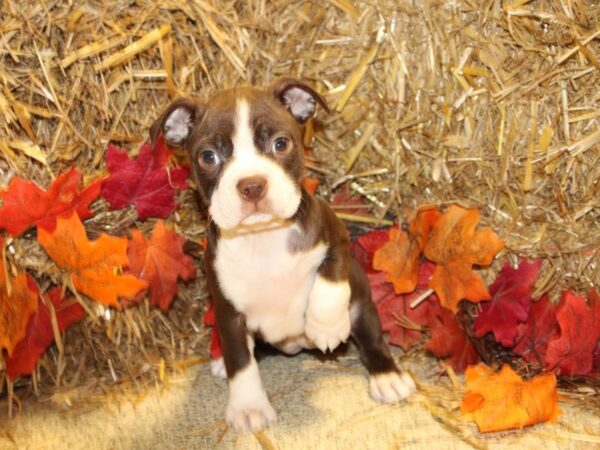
(250, 416)
(328, 335)
(391, 387)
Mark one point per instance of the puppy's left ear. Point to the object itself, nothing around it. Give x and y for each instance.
(298, 98)
(176, 122)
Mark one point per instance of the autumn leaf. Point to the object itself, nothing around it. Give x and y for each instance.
(570, 351)
(404, 324)
(93, 266)
(448, 340)
(160, 261)
(344, 201)
(399, 257)
(365, 246)
(144, 181)
(455, 246)
(215, 339)
(18, 301)
(531, 341)
(311, 184)
(40, 334)
(503, 401)
(510, 303)
(25, 204)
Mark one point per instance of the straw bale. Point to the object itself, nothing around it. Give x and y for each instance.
(492, 104)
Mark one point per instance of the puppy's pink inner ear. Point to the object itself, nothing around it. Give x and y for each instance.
(300, 103)
(178, 126)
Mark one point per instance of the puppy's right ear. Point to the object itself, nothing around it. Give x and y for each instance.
(176, 122)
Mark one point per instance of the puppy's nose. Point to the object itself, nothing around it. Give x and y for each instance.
(252, 188)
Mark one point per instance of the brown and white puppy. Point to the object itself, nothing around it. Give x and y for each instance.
(278, 261)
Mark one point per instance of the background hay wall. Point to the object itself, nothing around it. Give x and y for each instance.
(489, 103)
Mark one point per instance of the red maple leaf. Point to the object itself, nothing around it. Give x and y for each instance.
(215, 339)
(344, 201)
(532, 336)
(25, 204)
(144, 181)
(40, 334)
(509, 306)
(160, 261)
(596, 359)
(404, 324)
(365, 246)
(448, 340)
(570, 351)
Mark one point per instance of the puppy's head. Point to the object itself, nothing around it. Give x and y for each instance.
(246, 149)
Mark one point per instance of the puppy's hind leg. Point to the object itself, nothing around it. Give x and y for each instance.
(386, 383)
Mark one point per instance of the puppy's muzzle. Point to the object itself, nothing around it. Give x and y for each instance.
(252, 189)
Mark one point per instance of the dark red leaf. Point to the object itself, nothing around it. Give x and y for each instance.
(570, 351)
(532, 336)
(345, 201)
(405, 325)
(448, 340)
(510, 303)
(144, 181)
(40, 334)
(366, 244)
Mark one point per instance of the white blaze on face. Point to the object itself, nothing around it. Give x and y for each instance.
(227, 209)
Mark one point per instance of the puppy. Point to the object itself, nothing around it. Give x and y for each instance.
(278, 260)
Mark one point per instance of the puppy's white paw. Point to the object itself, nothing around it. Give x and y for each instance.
(391, 387)
(250, 415)
(327, 335)
(217, 368)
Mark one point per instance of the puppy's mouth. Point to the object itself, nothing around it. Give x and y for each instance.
(256, 212)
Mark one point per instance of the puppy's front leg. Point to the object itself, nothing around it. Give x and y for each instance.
(248, 408)
(328, 315)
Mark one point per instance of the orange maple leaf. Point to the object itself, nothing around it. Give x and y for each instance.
(503, 401)
(399, 257)
(160, 261)
(18, 301)
(93, 266)
(455, 247)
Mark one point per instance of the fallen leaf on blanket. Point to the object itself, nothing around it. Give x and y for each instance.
(93, 266)
(404, 325)
(399, 257)
(455, 246)
(503, 401)
(25, 204)
(531, 341)
(40, 334)
(144, 181)
(510, 303)
(448, 340)
(215, 339)
(18, 301)
(570, 351)
(160, 261)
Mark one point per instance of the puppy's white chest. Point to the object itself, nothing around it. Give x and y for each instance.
(266, 281)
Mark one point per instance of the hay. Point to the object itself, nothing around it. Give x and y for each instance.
(490, 104)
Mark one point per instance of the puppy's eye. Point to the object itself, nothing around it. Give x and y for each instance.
(281, 145)
(208, 158)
